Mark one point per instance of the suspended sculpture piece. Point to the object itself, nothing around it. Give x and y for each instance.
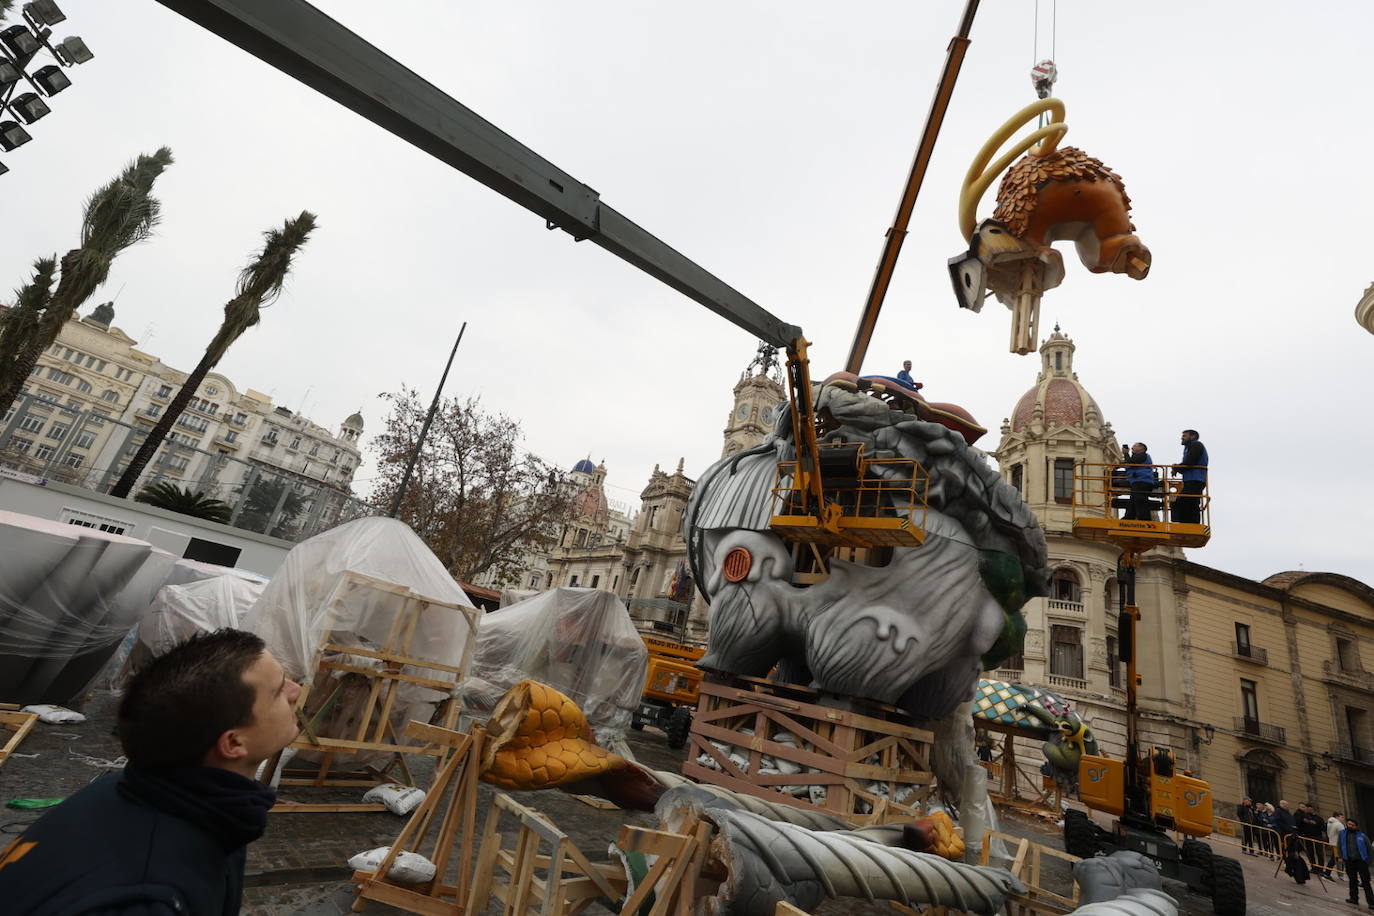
(1052, 194)
(911, 627)
(1046, 714)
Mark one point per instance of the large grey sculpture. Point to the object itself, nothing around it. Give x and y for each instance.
(915, 632)
(768, 861)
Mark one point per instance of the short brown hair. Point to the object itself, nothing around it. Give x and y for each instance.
(178, 705)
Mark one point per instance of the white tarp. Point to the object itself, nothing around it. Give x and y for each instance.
(579, 641)
(294, 617)
(68, 596)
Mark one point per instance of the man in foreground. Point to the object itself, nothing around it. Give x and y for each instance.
(1352, 849)
(168, 835)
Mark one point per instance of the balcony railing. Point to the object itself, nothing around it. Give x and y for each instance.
(1360, 680)
(1259, 731)
(1066, 607)
(1353, 753)
(1250, 653)
(1073, 683)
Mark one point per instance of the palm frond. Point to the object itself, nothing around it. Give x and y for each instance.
(263, 279)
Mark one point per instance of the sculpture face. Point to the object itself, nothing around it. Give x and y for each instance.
(914, 631)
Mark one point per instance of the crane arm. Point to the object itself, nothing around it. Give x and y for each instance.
(304, 43)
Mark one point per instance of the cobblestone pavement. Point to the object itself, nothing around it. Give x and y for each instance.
(299, 867)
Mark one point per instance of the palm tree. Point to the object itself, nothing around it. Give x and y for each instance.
(120, 214)
(173, 498)
(19, 325)
(258, 286)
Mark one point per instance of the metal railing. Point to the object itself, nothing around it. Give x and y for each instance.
(1104, 490)
(883, 505)
(1353, 753)
(261, 498)
(1250, 653)
(1263, 731)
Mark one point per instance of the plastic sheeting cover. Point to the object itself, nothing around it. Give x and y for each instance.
(293, 615)
(579, 641)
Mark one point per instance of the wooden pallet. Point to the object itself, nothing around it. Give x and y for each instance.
(346, 707)
(864, 754)
(20, 723)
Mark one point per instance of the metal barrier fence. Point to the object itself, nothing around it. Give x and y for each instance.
(84, 448)
(1267, 842)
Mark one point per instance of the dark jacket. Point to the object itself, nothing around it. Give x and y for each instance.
(1245, 814)
(1194, 461)
(139, 843)
(1310, 825)
(1283, 821)
(1135, 473)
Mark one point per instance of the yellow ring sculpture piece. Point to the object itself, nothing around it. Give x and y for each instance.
(979, 176)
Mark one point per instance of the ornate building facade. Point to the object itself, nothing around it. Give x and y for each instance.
(1261, 688)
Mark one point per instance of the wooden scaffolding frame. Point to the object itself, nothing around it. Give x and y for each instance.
(455, 790)
(835, 745)
(20, 723)
(1016, 783)
(397, 665)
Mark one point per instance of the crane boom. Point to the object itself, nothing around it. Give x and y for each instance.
(304, 43)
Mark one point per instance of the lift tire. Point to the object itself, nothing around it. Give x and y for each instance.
(1080, 837)
(1199, 855)
(637, 724)
(1074, 812)
(1228, 887)
(679, 726)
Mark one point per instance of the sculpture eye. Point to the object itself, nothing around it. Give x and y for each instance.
(994, 232)
(736, 565)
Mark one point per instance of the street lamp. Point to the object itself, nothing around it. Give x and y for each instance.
(29, 107)
(12, 136)
(51, 79)
(19, 45)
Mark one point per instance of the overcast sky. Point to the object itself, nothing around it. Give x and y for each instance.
(769, 142)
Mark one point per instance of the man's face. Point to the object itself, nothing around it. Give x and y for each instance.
(907, 365)
(1137, 449)
(1185, 438)
(274, 724)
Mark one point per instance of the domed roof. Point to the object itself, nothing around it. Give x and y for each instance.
(354, 421)
(1061, 399)
(585, 466)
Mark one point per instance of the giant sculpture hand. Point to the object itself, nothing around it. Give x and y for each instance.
(914, 632)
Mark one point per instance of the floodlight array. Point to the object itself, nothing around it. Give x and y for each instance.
(24, 94)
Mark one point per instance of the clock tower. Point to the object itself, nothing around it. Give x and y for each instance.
(759, 399)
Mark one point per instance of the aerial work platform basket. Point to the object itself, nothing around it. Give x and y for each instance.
(868, 502)
(1102, 500)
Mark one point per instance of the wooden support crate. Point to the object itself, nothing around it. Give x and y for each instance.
(346, 707)
(1017, 782)
(871, 760)
(13, 727)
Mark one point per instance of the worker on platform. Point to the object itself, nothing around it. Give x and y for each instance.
(905, 377)
(1141, 477)
(1193, 469)
(167, 835)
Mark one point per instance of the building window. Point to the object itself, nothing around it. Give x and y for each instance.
(164, 391)
(1063, 480)
(100, 366)
(1113, 663)
(73, 460)
(1016, 663)
(20, 445)
(314, 449)
(534, 581)
(1066, 652)
(58, 431)
(231, 436)
(84, 439)
(581, 538)
(1243, 639)
(43, 452)
(596, 580)
(1018, 478)
(178, 462)
(1249, 704)
(573, 583)
(1347, 654)
(82, 385)
(31, 423)
(296, 442)
(1109, 596)
(1064, 586)
(112, 396)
